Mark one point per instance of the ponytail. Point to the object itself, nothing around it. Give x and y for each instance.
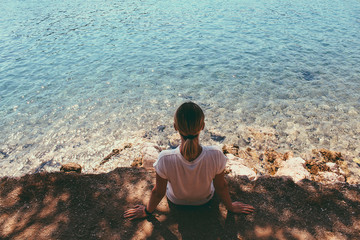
(189, 121)
(189, 149)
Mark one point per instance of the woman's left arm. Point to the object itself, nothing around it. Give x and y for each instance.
(222, 189)
(158, 192)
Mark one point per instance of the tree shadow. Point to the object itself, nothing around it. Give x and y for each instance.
(71, 206)
(91, 206)
(306, 210)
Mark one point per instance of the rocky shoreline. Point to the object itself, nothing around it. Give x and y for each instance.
(321, 165)
(256, 154)
(259, 148)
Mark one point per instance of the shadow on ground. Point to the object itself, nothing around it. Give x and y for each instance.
(85, 206)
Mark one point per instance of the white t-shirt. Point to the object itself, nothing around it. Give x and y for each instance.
(190, 183)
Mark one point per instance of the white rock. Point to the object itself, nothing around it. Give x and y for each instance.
(150, 153)
(238, 169)
(342, 172)
(294, 168)
(233, 159)
(331, 177)
(230, 156)
(333, 166)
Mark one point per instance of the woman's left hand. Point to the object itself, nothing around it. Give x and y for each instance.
(137, 212)
(239, 207)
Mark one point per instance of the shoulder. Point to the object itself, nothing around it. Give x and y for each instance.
(167, 153)
(167, 157)
(213, 150)
(215, 153)
(216, 159)
(164, 162)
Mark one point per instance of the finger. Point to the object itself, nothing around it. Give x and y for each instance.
(127, 211)
(248, 209)
(128, 215)
(135, 217)
(246, 212)
(130, 211)
(246, 206)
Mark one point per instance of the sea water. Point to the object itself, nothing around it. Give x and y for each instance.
(79, 78)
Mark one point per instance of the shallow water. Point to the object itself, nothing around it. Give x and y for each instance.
(78, 79)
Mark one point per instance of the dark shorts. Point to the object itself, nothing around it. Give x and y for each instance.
(198, 222)
(212, 203)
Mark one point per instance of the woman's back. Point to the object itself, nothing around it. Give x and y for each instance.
(190, 183)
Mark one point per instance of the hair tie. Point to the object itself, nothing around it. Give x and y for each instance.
(191, 137)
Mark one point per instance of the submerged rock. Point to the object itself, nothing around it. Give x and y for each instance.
(71, 167)
(3, 154)
(115, 152)
(249, 154)
(307, 75)
(161, 128)
(217, 138)
(259, 139)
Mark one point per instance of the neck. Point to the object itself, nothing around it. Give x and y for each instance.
(198, 148)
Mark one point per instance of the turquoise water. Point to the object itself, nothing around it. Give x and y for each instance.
(79, 78)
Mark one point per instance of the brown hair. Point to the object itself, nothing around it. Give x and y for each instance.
(189, 121)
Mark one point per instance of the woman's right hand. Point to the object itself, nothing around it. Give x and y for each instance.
(137, 212)
(239, 207)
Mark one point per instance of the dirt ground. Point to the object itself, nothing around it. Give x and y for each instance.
(90, 206)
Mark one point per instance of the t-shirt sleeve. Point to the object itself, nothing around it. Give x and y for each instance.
(222, 159)
(160, 168)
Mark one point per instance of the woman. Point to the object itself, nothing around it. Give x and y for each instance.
(190, 174)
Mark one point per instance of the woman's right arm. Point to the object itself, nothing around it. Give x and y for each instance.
(222, 190)
(158, 192)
